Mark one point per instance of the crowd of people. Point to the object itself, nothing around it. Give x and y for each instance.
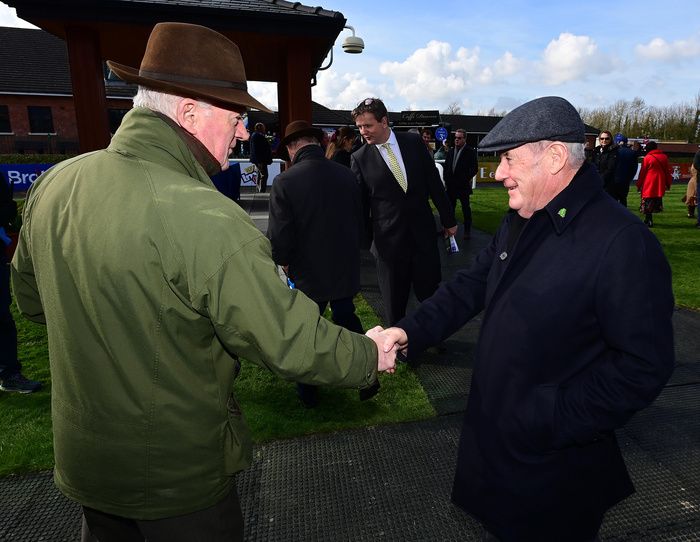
(147, 313)
(618, 164)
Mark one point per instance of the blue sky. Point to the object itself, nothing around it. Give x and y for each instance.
(484, 55)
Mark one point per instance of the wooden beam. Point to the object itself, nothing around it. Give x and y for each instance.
(294, 87)
(88, 87)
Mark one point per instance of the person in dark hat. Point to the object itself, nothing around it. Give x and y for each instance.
(260, 155)
(315, 228)
(152, 283)
(570, 346)
(626, 166)
(11, 377)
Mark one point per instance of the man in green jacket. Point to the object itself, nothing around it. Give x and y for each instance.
(151, 284)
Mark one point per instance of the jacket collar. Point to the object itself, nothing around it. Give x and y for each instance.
(566, 205)
(308, 152)
(196, 147)
(144, 134)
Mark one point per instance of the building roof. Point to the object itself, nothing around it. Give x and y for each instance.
(264, 30)
(36, 62)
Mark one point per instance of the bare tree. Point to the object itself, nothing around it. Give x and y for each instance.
(452, 109)
(635, 119)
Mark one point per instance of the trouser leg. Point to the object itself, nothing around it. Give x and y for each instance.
(425, 271)
(343, 311)
(467, 212)
(262, 169)
(9, 364)
(222, 522)
(395, 285)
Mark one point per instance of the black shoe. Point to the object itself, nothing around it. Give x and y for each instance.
(308, 394)
(17, 382)
(437, 349)
(370, 392)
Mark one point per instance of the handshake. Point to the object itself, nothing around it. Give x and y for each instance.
(389, 342)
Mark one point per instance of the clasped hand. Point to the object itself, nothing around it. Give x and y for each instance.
(389, 341)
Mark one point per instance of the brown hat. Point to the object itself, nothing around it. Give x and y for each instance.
(300, 128)
(193, 61)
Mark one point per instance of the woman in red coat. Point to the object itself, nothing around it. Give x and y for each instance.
(654, 180)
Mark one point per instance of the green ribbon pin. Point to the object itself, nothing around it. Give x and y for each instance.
(562, 212)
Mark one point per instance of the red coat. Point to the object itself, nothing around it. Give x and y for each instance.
(655, 175)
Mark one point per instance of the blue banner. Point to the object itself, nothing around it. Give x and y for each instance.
(22, 176)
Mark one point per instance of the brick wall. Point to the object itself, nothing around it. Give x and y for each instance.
(64, 123)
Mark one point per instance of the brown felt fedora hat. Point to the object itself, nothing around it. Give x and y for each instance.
(300, 128)
(193, 61)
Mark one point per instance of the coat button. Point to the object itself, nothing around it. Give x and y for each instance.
(503, 255)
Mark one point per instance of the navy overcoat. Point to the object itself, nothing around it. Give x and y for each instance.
(576, 337)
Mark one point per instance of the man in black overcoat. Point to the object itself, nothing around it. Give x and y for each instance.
(11, 377)
(570, 347)
(315, 227)
(459, 168)
(397, 175)
(260, 155)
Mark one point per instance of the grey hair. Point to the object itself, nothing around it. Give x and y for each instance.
(577, 154)
(162, 102)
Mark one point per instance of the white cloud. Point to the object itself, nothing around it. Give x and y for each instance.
(344, 91)
(571, 57)
(8, 17)
(266, 93)
(434, 74)
(660, 49)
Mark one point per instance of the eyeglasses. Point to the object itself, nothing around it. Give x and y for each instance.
(604, 138)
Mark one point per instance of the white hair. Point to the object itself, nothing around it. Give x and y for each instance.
(577, 155)
(162, 102)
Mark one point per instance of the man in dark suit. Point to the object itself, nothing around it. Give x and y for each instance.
(315, 227)
(260, 155)
(11, 377)
(397, 174)
(459, 168)
(569, 347)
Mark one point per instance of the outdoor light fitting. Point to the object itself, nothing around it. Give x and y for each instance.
(353, 44)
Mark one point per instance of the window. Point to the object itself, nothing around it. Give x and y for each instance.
(5, 120)
(115, 118)
(40, 119)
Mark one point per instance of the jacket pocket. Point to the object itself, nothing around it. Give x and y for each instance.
(238, 448)
(536, 418)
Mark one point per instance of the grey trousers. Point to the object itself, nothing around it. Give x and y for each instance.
(218, 523)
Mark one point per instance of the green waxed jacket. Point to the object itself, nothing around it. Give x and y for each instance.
(150, 283)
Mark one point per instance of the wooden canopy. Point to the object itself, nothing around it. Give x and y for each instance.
(280, 41)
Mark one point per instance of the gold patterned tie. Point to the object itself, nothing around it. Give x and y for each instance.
(395, 167)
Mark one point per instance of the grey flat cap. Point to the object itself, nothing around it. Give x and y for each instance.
(550, 118)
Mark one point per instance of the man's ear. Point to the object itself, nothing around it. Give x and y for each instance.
(558, 156)
(187, 114)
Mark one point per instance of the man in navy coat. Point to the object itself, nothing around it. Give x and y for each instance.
(397, 175)
(576, 337)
